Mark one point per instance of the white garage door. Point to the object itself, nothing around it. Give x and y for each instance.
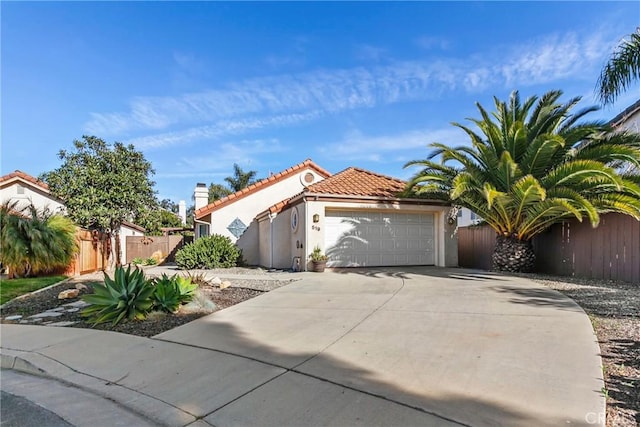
(368, 239)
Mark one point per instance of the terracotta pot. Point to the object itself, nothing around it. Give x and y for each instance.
(318, 266)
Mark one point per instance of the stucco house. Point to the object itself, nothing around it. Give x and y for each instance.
(355, 216)
(629, 119)
(25, 189)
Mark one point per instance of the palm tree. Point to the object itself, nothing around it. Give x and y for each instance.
(217, 192)
(533, 165)
(240, 178)
(622, 68)
(34, 241)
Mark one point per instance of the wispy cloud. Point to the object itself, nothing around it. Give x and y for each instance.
(377, 148)
(287, 99)
(552, 58)
(246, 153)
(217, 130)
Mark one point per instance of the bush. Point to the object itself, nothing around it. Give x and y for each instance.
(127, 296)
(150, 261)
(34, 242)
(208, 252)
(171, 292)
(137, 261)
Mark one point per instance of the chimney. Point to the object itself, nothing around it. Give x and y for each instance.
(201, 195)
(182, 211)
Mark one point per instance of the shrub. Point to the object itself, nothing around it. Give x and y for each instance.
(35, 242)
(150, 261)
(126, 296)
(171, 292)
(214, 251)
(137, 261)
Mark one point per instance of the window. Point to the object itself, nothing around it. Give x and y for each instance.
(20, 189)
(203, 230)
(237, 227)
(460, 213)
(473, 216)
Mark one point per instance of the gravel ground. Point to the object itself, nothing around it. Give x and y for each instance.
(614, 310)
(47, 299)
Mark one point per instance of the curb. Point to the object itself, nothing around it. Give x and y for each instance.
(146, 406)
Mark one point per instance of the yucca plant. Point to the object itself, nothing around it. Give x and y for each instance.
(126, 296)
(533, 165)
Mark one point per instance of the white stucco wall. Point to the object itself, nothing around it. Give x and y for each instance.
(466, 218)
(32, 194)
(632, 123)
(248, 207)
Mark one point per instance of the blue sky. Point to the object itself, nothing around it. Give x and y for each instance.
(200, 86)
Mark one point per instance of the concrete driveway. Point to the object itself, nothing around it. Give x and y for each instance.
(392, 347)
(418, 346)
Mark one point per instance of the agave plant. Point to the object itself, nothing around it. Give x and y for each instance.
(533, 165)
(126, 296)
(171, 292)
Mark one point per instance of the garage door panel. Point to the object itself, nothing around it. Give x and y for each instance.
(379, 239)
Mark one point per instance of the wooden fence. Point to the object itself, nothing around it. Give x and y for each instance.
(144, 246)
(610, 251)
(93, 253)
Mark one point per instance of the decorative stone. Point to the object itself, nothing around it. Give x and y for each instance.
(81, 287)
(72, 310)
(14, 317)
(36, 320)
(69, 293)
(64, 323)
(40, 316)
(77, 304)
(56, 309)
(216, 281)
(24, 321)
(225, 284)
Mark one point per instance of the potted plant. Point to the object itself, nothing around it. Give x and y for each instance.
(318, 260)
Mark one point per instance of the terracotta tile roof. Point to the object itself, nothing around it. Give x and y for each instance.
(260, 185)
(24, 176)
(351, 182)
(359, 182)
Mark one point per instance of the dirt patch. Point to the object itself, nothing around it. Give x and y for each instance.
(47, 300)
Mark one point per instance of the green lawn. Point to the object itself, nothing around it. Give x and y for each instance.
(10, 289)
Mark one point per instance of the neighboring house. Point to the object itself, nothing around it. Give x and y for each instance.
(25, 189)
(355, 216)
(467, 217)
(629, 119)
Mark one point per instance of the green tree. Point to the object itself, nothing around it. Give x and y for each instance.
(217, 191)
(240, 178)
(169, 205)
(103, 185)
(622, 68)
(35, 242)
(533, 165)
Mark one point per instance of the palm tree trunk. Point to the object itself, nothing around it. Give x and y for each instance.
(513, 255)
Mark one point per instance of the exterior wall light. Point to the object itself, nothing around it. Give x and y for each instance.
(316, 218)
